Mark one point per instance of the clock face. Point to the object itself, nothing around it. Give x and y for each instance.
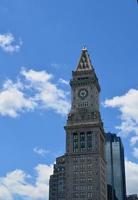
(83, 93)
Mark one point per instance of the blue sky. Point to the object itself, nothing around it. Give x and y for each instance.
(40, 44)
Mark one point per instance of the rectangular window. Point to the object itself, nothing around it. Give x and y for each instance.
(75, 136)
(75, 159)
(82, 78)
(90, 187)
(75, 142)
(82, 136)
(82, 194)
(89, 166)
(89, 194)
(89, 140)
(89, 135)
(82, 141)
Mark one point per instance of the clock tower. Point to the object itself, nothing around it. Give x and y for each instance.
(85, 92)
(84, 161)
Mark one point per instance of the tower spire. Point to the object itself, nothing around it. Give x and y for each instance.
(84, 48)
(84, 62)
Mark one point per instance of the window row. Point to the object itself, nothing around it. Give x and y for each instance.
(88, 166)
(82, 135)
(82, 195)
(83, 159)
(82, 180)
(82, 187)
(83, 173)
(82, 141)
(83, 104)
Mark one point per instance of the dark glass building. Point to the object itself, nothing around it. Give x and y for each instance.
(111, 193)
(115, 168)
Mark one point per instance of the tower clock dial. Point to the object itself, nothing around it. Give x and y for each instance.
(83, 93)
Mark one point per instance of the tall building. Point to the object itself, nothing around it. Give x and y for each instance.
(80, 174)
(115, 167)
(111, 193)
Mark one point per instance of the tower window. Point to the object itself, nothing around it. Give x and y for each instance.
(75, 142)
(89, 135)
(75, 136)
(89, 140)
(82, 136)
(82, 141)
(82, 78)
(82, 145)
(83, 104)
(75, 145)
(90, 195)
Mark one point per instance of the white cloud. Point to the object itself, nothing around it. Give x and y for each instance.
(134, 140)
(131, 177)
(127, 104)
(25, 186)
(47, 93)
(63, 81)
(40, 151)
(4, 193)
(7, 43)
(36, 77)
(13, 101)
(34, 90)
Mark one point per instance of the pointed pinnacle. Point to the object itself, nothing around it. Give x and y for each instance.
(84, 48)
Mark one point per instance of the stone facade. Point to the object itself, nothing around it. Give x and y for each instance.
(81, 173)
(57, 180)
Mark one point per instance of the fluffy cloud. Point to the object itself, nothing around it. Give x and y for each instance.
(41, 151)
(13, 101)
(131, 177)
(47, 93)
(7, 43)
(19, 184)
(34, 90)
(128, 106)
(134, 140)
(4, 193)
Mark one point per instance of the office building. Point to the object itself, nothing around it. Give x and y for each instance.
(115, 167)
